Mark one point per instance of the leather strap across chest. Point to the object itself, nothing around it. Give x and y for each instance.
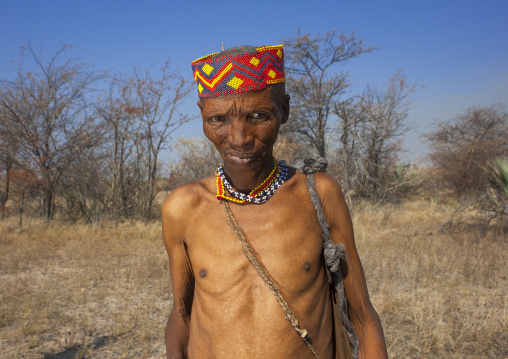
(249, 253)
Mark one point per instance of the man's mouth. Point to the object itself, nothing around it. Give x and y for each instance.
(242, 158)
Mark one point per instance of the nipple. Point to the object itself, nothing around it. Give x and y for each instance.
(202, 273)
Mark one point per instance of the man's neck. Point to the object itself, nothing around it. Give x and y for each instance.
(245, 179)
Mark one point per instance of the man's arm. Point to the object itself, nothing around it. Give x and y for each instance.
(363, 316)
(182, 278)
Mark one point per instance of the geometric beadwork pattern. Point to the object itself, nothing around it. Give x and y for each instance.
(238, 73)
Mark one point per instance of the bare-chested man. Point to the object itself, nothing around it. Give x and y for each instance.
(222, 308)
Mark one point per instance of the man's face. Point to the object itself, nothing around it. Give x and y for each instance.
(243, 127)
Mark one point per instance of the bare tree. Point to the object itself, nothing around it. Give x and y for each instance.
(315, 83)
(462, 147)
(383, 113)
(122, 128)
(154, 103)
(8, 154)
(85, 187)
(370, 131)
(363, 132)
(347, 164)
(48, 113)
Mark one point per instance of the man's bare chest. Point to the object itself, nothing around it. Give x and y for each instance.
(285, 237)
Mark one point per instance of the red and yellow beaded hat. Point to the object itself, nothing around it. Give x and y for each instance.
(236, 73)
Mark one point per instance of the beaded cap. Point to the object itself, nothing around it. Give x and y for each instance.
(236, 73)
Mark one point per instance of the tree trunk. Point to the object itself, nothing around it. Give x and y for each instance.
(5, 195)
(48, 210)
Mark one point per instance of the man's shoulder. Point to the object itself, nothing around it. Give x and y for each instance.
(187, 197)
(326, 183)
(333, 204)
(329, 191)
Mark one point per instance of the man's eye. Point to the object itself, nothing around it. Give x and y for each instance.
(258, 116)
(216, 119)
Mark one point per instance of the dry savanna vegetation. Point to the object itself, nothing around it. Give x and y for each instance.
(78, 291)
(82, 166)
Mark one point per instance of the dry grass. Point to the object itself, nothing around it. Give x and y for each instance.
(82, 292)
(439, 295)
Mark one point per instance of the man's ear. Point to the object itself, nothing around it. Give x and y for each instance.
(200, 106)
(285, 109)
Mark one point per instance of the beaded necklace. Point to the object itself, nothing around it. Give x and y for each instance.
(258, 195)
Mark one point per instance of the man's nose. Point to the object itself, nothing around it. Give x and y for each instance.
(240, 136)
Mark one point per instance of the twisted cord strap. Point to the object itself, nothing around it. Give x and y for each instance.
(311, 165)
(249, 253)
(333, 253)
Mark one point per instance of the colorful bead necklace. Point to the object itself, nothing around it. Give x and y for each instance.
(258, 195)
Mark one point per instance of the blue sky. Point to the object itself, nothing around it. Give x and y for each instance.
(458, 50)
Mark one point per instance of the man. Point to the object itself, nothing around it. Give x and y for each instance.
(223, 305)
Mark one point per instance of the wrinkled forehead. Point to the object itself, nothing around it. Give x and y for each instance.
(266, 98)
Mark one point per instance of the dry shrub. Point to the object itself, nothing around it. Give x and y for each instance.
(461, 147)
(90, 292)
